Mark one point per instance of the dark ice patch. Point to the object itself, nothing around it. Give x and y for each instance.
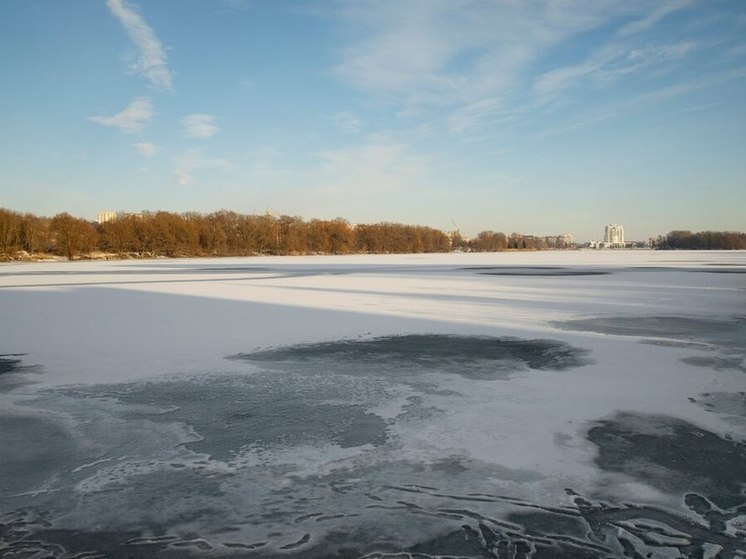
(294, 545)
(725, 403)
(716, 363)
(544, 522)
(507, 527)
(651, 325)
(676, 344)
(34, 450)
(230, 414)
(532, 268)
(476, 357)
(535, 271)
(9, 363)
(559, 273)
(163, 500)
(452, 465)
(728, 334)
(25, 534)
(13, 373)
(465, 542)
(641, 531)
(672, 455)
(721, 271)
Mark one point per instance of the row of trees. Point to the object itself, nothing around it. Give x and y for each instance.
(63, 234)
(231, 234)
(703, 240)
(491, 241)
(226, 233)
(220, 233)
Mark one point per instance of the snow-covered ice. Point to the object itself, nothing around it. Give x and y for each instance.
(555, 404)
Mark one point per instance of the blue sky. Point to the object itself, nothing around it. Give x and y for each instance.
(532, 116)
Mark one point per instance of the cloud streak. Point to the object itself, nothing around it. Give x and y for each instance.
(649, 20)
(479, 65)
(473, 114)
(628, 105)
(438, 52)
(199, 126)
(130, 120)
(611, 64)
(193, 160)
(346, 121)
(151, 61)
(183, 178)
(378, 165)
(145, 148)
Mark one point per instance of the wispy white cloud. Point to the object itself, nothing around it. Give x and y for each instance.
(151, 61)
(442, 52)
(145, 148)
(559, 79)
(357, 174)
(375, 166)
(347, 121)
(233, 6)
(192, 160)
(182, 178)
(682, 88)
(130, 120)
(611, 63)
(473, 114)
(598, 114)
(380, 177)
(737, 51)
(476, 65)
(645, 57)
(657, 14)
(199, 126)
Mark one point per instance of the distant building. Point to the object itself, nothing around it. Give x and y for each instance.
(614, 236)
(104, 216)
(559, 241)
(564, 241)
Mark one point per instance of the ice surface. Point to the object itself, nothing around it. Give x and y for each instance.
(559, 404)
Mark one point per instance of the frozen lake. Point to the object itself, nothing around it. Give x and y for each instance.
(584, 404)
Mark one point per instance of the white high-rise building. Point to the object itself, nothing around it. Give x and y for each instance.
(614, 236)
(104, 216)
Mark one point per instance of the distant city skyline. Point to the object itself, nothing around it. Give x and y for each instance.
(541, 118)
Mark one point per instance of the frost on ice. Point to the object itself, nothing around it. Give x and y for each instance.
(507, 405)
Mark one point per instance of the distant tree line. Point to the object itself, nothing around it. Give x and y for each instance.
(491, 241)
(704, 240)
(222, 233)
(226, 233)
